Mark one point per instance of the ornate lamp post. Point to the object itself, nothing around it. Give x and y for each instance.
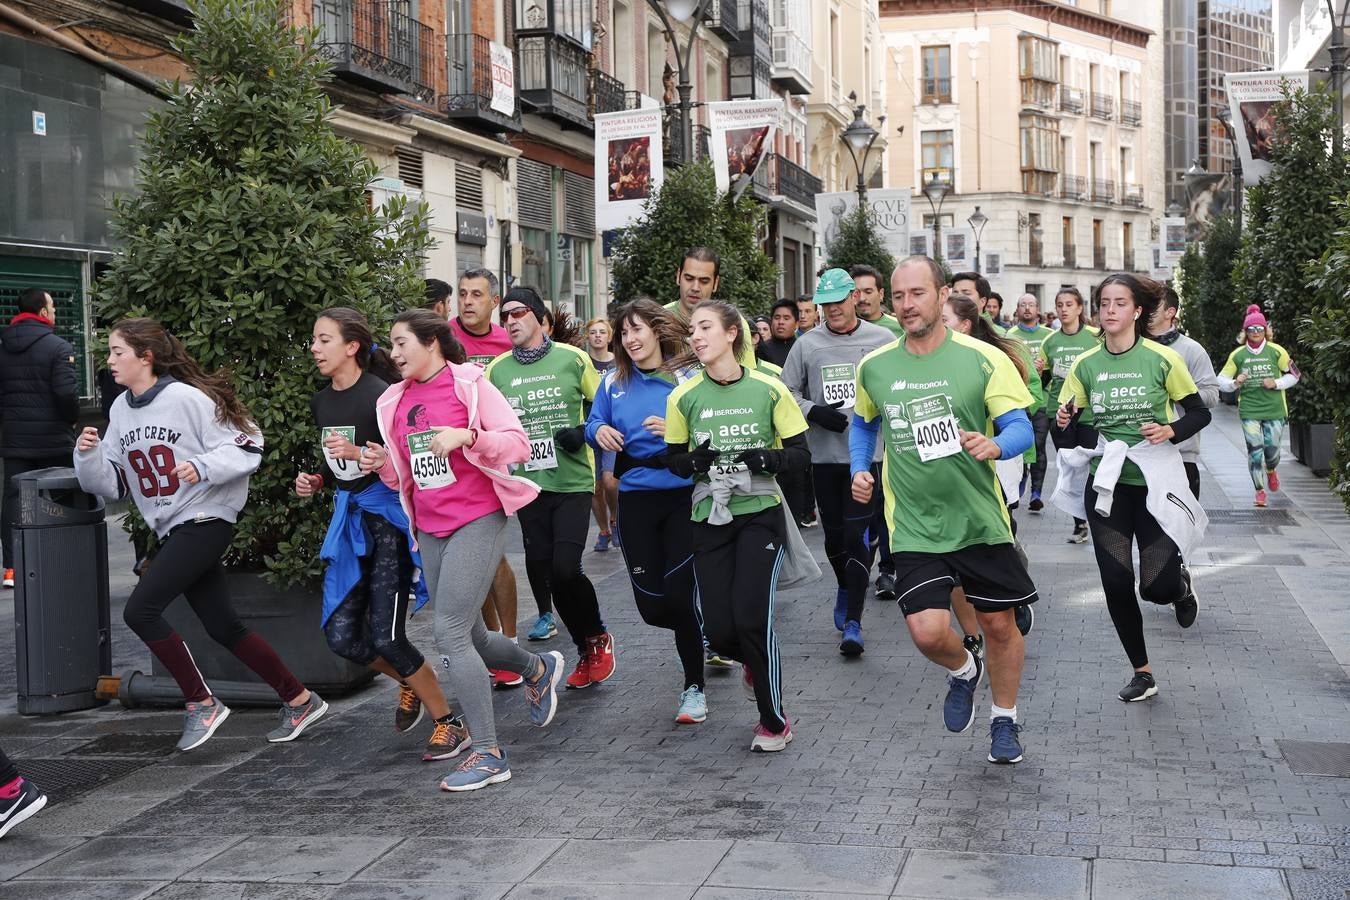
(936, 191)
(682, 11)
(977, 221)
(1226, 117)
(859, 138)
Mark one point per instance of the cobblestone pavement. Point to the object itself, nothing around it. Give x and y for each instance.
(1187, 795)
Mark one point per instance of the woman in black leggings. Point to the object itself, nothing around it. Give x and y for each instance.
(20, 799)
(628, 418)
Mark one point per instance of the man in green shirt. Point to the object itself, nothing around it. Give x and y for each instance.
(698, 280)
(1029, 330)
(946, 406)
(548, 385)
(870, 298)
(975, 287)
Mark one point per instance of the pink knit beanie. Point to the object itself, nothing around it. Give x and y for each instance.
(1254, 317)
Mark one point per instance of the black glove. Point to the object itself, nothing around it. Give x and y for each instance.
(696, 461)
(828, 417)
(570, 439)
(761, 461)
(625, 463)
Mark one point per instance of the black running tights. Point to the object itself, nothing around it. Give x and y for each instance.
(553, 527)
(844, 521)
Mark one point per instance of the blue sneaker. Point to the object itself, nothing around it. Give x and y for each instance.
(543, 628)
(852, 644)
(693, 706)
(840, 609)
(1004, 747)
(958, 711)
(602, 543)
(477, 771)
(542, 693)
(618, 545)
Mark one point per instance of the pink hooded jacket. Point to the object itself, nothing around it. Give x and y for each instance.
(501, 440)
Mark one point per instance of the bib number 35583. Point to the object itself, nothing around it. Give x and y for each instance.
(837, 384)
(936, 434)
(429, 471)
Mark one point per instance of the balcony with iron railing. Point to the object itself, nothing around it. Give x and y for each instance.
(937, 90)
(1103, 106)
(1098, 256)
(607, 93)
(791, 61)
(675, 155)
(1103, 191)
(794, 182)
(1070, 256)
(1070, 100)
(1128, 261)
(1072, 187)
(1132, 195)
(723, 20)
(470, 88)
(1035, 250)
(378, 44)
(1131, 112)
(554, 77)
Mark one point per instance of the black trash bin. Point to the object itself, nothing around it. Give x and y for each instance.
(60, 593)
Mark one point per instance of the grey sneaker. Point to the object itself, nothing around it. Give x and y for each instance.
(201, 722)
(295, 719)
(477, 771)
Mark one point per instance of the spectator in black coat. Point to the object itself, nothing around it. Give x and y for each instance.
(39, 403)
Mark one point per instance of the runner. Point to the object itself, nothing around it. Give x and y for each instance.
(761, 332)
(782, 333)
(1260, 371)
(452, 435)
(1133, 387)
(190, 446)
(1163, 329)
(1029, 330)
(947, 406)
(368, 579)
(605, 501)
(19, 797)
(628, 421)
(547, 384)
(870, 297)
(975, 287)
(820, 372)
(739, 526)
(1074, 338)
(807, 316)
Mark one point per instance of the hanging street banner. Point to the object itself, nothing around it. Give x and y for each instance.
(742, 133)
(1174, 239)
(959, 250)
(629, 167)
(503, 79)
(888, 208)
(1251, 100)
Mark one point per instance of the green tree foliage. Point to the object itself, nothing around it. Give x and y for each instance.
(688, 211)
(857, 243)
(1210, 311)
(1327, 331)
(251, 217)
(1293, 220)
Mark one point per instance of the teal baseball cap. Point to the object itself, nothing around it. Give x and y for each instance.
(833, 286)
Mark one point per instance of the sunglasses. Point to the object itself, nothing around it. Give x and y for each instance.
(1256, 328)
(518, 312)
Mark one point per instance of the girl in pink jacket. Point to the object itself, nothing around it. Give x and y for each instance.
(450, 439)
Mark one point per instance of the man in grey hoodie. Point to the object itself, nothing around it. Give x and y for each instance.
(1163, 329)
(820, 371)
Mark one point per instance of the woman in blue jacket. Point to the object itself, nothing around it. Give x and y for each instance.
(628, 418)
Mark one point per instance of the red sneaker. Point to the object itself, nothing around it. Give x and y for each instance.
(601, 655)
(1260, 498)
(581, 675)
(9, 577)
(502, 679)
(1273, 480)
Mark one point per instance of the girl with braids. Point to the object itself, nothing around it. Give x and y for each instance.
(451, 438)
(367, 582)
(1142, 398)
(181, 444)
(628, 420)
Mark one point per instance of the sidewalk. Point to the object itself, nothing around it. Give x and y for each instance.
(1189, 795)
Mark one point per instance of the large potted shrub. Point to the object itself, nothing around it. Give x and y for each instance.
(251, 216)
(1327, 331)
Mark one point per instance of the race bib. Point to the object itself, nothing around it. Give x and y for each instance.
(429, 471)
(838, 384)
(935, 432)
(542, 455)
(1060, 370)
(343, 469)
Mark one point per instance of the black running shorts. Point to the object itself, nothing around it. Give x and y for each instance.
(992, 574)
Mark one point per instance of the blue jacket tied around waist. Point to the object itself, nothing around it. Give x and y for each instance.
(346, 543)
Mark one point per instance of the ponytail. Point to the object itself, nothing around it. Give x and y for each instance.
(964, 309)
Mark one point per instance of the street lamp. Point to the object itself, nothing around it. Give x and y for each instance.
(1336, 48)
(1226, 117)
(859, 138)
(977, 221)
(682, 11)
(936, 191)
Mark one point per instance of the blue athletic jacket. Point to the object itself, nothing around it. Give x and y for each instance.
(346, 543)
(623, 406)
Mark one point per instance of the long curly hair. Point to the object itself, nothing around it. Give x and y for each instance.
(671, 334)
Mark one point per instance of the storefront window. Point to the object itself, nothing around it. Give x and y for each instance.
(534, 266)
(572, 265)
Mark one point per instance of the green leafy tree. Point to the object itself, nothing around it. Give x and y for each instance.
(689, 211)
(1211, 312)
(1327, 331)
(1292, 223)
(857, 243)
(251, 217)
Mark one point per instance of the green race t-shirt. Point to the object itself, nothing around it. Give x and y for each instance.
(939, 498)
(767, 368)
(548, 395)
(1059, 352)
(756, 411)
(1255, 401)
(1127, 390)
(891, 324)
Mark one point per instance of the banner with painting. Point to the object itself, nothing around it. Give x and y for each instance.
(888, 208)
(1251, 100)
(628, 164)
(741, 135)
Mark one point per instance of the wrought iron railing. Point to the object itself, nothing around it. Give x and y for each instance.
(1103, 191)
(554, 75)
(607, 92)
(792, 181)
(1070, 100)
(469, 83)
(1131, 112)
(1098, 256)
(1103, 106)
(377, 41)
(1132, 195)
(1072, 187)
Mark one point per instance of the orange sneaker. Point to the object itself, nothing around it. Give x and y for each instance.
(9, 578)
(600, 650)
(581, 675)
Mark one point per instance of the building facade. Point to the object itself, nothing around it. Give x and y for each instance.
(1043, 115)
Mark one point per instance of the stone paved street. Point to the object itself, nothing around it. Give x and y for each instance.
(1189, 795)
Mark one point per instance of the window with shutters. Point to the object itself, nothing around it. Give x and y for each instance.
(468, 187)
(578, 205)
(409, 166)
(534, 194)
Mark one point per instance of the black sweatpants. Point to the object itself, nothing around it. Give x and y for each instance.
(844, 521)
(553, 527)
(737, 569)
(1160, 578)
(1193, 477)
(658, 549)
(1076, 435)
(1040, 426)
(9, 506)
